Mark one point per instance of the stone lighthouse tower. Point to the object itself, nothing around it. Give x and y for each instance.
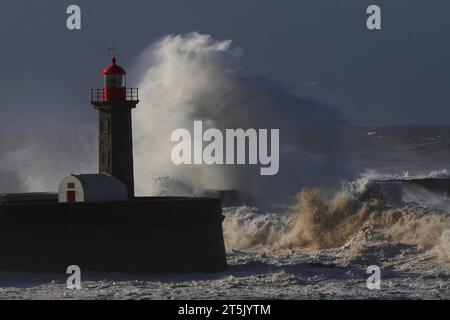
(114, 103)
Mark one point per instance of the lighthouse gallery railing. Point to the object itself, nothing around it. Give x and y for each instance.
(98, 95)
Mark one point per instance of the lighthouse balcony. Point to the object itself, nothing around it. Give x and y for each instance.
(104, 97)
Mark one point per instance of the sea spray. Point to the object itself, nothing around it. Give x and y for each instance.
(194, 77)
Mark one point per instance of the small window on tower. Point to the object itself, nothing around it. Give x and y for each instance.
(106, 125)
(71, 185)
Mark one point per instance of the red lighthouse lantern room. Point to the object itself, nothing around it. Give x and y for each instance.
(115, 82)
(114, 89)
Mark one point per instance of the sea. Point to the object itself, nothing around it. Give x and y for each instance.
(323, 246)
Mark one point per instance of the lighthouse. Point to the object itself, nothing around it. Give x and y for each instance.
(115, 102)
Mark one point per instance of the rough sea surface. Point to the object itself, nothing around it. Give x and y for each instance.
(318, 249)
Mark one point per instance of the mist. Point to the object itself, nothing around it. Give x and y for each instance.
(37, 162)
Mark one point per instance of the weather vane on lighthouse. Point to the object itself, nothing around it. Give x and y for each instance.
(113, 52)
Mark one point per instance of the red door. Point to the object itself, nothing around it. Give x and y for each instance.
(71, 198)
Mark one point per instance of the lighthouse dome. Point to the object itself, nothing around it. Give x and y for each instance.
(113, 69)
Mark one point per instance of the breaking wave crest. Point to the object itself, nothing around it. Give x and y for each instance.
(185, 78)
(322, 221)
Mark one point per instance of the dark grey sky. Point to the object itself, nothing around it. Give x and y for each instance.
(399, 75)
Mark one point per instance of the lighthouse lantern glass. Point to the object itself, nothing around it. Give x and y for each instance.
(114, 81)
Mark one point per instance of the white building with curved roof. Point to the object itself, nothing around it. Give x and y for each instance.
(91, 188)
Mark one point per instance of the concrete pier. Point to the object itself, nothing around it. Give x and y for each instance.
(154, 235)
